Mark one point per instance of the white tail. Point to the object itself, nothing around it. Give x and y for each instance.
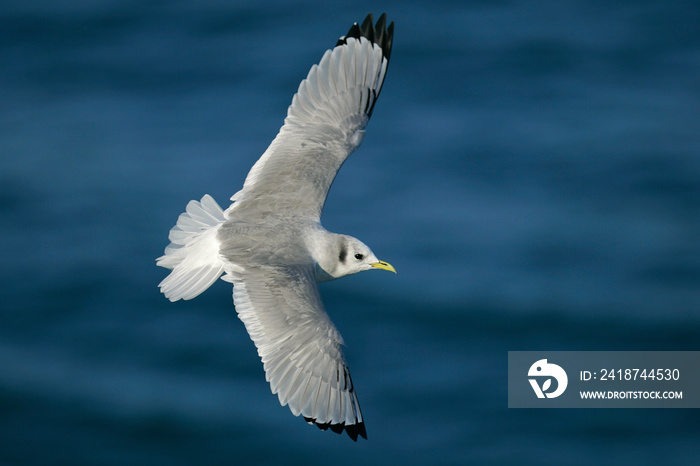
(193, 252)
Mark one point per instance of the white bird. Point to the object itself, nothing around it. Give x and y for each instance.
(270, 243)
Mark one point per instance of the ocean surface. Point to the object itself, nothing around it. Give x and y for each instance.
(532, 170)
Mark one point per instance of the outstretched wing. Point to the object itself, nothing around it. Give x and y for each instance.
(324, 125)
(298, 344)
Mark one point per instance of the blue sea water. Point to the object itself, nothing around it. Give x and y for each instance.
(532, 169)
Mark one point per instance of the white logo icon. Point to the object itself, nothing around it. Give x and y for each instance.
(543, 369)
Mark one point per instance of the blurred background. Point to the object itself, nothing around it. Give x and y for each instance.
(532, 170)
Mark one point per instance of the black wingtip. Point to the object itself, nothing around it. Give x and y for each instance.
(353, 430)
(367, 28)
(377, 33)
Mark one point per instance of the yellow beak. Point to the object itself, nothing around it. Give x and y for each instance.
(384, 266)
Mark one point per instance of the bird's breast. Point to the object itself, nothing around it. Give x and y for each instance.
(276, 244)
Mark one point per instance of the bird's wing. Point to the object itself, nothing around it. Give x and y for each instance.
(298, 344)
(324, 125)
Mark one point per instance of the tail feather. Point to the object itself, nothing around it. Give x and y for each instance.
(193, 252)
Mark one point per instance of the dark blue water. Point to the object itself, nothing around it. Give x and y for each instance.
(532, 170)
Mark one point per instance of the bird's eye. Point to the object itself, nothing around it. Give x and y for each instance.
(359, 256)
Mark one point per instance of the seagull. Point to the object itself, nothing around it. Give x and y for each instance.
(270, 243)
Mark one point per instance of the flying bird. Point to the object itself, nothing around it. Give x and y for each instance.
(270, 243)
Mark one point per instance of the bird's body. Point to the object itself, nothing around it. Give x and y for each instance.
(270, 243)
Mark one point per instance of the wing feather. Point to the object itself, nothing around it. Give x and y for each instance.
(324, 123)
(298, 343)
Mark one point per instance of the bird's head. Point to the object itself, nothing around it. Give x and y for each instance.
(346, 256)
